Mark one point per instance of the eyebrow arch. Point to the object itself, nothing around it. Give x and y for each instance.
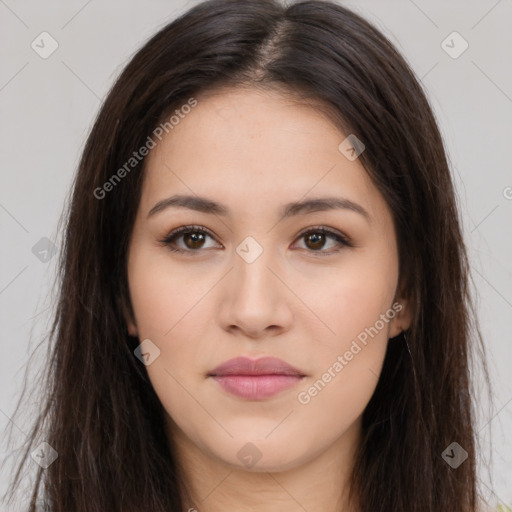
(204, 205)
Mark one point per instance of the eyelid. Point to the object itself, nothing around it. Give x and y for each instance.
(344, 239)
(166, 241)
(341, 238)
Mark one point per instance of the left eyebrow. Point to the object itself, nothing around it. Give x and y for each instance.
(205, 205)
(322, 204)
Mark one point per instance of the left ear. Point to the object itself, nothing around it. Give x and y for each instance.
(128, 316)
(403, 316)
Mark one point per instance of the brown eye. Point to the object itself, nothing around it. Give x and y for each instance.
(193, 238)
(315, 240)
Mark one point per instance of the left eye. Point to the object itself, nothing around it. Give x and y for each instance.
(315, 239)
(194, 238)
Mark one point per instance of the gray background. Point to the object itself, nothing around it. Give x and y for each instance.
(48, 105)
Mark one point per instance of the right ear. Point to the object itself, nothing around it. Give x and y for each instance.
(132, 328)
(129, 319)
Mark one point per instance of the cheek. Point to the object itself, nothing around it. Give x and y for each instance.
(356, 307)
(347, 365)
(350, 298)
(170, 307)
(166, 305)
(161, 293)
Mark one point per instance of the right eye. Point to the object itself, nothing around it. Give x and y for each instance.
(193, 238)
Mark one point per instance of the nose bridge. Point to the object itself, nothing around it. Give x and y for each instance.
(254, 297)
(251, 272)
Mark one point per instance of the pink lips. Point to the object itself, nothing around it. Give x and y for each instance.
(255, 379)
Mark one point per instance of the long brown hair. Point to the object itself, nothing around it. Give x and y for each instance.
(101, 414)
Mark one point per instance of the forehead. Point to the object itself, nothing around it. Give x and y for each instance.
(252, 147)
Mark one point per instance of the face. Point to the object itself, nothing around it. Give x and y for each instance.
(312, 285)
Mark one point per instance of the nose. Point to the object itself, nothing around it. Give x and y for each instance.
(255, 299)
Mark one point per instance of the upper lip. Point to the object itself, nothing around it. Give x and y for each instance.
(261, 366)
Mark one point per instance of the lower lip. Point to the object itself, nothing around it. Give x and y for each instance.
(256, 387)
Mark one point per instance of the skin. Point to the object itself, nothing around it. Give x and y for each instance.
(254, 151)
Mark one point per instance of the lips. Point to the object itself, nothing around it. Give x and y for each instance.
(262, 366)
(255, 379)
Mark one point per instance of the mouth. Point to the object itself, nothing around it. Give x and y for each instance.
(256, 379)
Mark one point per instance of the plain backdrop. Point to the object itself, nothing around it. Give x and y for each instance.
(48, 104)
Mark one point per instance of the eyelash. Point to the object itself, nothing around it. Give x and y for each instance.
(170, 238)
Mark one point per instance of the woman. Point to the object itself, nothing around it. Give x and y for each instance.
(264, 300)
